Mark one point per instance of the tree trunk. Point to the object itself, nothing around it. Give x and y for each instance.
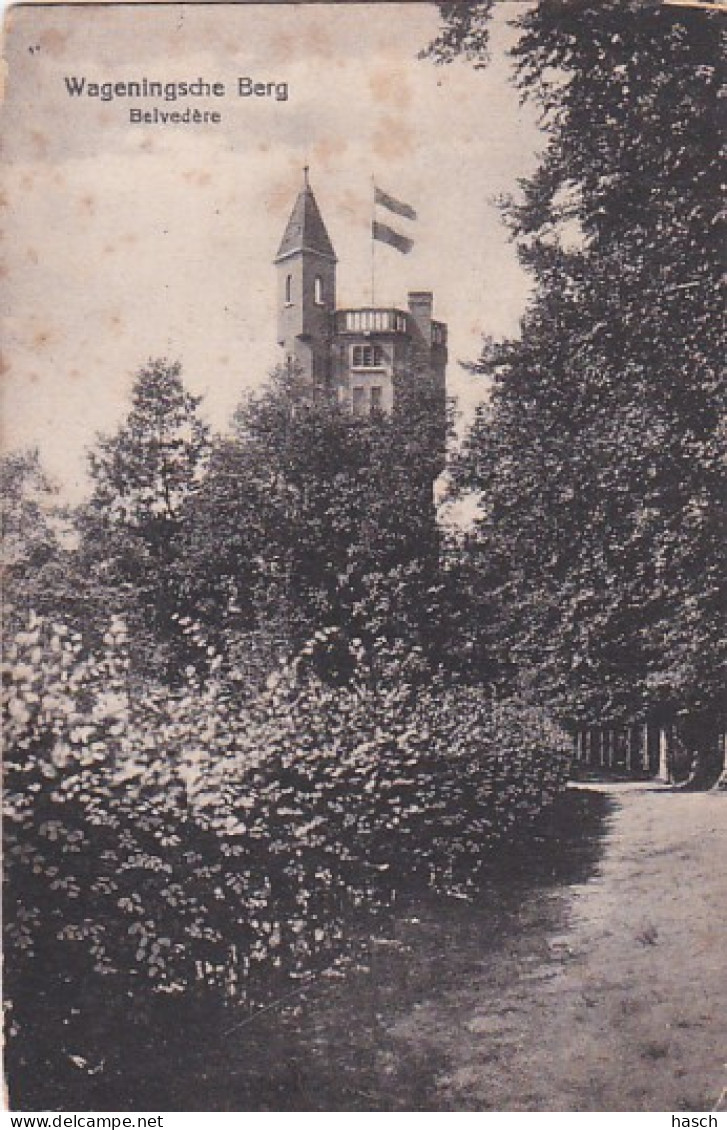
(645, 759)
(721, 782)
(664, 771)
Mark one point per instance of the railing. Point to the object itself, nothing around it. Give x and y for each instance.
(372, 319)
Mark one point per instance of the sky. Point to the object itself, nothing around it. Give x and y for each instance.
(129, 241)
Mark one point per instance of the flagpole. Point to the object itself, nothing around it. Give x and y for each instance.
(373, 241)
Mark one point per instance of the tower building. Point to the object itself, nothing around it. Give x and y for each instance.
(306, 264)
(355, 355)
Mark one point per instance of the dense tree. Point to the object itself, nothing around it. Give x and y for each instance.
(600, 457)
(310, 518)
(38, 561)
(133, 527)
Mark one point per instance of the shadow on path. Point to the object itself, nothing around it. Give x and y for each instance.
(565, 980)
(373, 1039)
(374, 1033)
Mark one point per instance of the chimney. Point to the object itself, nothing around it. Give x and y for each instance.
(421, 303)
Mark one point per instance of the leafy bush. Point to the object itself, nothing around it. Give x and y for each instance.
(187, 844)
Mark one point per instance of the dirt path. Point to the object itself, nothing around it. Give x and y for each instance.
(617, 998)
(588, 974)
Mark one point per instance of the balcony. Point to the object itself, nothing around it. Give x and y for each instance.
(371, 319)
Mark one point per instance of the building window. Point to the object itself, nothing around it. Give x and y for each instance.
(318, 290)
(367, 356)
(377, 398)
(358, 401)
(288, 290)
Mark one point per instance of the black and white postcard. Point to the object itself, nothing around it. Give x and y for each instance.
(363, 461)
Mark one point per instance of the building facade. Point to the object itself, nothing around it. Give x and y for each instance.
(354, 355)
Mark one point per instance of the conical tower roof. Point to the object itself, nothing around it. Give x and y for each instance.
(306, 230)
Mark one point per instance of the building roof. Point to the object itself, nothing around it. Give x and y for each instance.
(306, 230)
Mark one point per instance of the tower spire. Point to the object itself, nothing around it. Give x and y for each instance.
(306, 265)
(306, 230)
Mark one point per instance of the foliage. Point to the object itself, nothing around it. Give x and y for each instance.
(303, 518)
(309, 517)
(601, 455)
(465, 30)
(162, 846)
(38, 568)
(132, 530)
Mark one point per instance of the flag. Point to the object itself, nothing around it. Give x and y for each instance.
(386, 234)
(386, 201)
